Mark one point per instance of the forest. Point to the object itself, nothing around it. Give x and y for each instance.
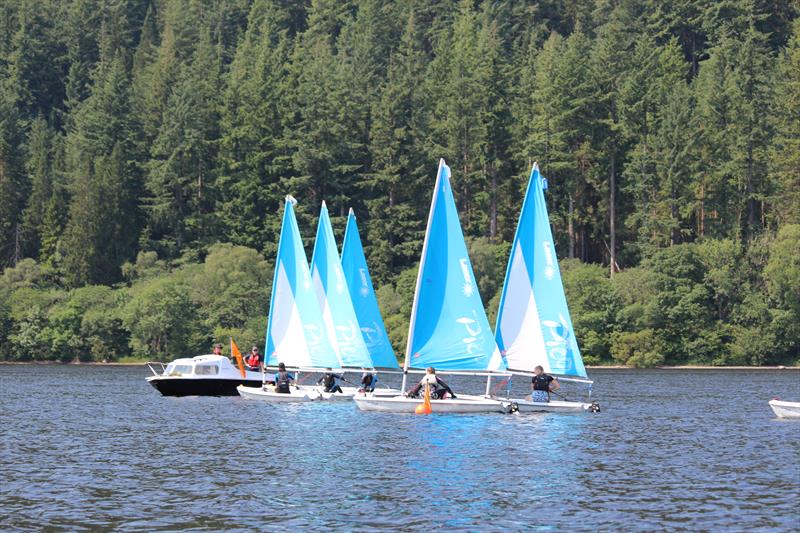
(146, 147)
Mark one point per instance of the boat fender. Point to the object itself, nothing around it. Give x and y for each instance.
(595, 407)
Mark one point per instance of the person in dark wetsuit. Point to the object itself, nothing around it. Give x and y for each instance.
(368, 380)
(542, 385)
(283, 380)
(330, 381)
(438, 387)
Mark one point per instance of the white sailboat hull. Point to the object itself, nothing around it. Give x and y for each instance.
(401, 404)
(785, 409)
(348, 393)
(254, 393)
(526, 406)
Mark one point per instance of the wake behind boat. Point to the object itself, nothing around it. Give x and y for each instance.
(203, 375)
(784, 409)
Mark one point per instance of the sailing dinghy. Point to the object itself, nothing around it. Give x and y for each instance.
(784, 409)
(365, 304)
(296, 334)
(448, 328)
(533, 322)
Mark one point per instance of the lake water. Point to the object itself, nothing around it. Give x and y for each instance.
(87, 448)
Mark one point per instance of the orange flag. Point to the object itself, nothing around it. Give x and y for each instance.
(238, 355)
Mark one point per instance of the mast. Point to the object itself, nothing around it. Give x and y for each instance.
(412, 322)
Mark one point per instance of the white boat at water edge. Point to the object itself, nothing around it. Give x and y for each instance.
(783, 409)
(202, 375)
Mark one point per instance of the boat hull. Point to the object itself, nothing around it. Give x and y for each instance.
(258, 393)
(785, 409)
(198, 387)
(525, 406)
(401, 404)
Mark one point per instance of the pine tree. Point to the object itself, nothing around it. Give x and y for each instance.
(39, 170)
(104, 220)
(254, 161)
(399, 173)
(784, 154)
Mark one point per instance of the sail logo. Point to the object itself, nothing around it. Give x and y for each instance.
(315, 337)
(346, 338)
(339, 279)
(469, 288)
(364, 290)
(557, 336)
(473, 342)
(549, 269)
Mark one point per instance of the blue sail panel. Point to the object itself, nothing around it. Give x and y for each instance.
(449, 328)
(533, 322)
(295, 329)
(362, 294)
(333, 295)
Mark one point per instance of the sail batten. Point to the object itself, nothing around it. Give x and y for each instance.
(448, 327)
(333, 295)
(295, 329)
(533, 322)
(362, 295)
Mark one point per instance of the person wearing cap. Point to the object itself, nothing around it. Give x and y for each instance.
(330, 381)
(437, 386)
(283, 380)
(217, 350)
(254, 359)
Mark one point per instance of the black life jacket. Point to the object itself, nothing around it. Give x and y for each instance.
(542, 382)
(282, 381)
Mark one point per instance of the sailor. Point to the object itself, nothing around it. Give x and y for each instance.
(330, 380)
(283, 379)
(217, 350)
(368, 380)
(542, 385)
(254, 359)
(438, 387)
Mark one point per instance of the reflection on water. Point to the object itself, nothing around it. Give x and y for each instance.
(94, 447)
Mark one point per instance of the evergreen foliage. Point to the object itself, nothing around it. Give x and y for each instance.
(137, 136)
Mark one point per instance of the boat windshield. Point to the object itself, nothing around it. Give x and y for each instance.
(176, 370)
(206, 370)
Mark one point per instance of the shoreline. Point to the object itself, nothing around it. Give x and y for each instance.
(589, 367)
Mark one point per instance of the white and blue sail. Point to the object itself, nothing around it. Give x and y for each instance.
(449, 328)
(533, 323)
(333, 295)
(362, 294)
(296, 333)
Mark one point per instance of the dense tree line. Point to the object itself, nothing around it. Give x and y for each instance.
(138, 135)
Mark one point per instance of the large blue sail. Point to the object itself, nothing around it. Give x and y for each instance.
(362, 294)
(449, 328)
(533, 322)
(295, 329)
(333, 295)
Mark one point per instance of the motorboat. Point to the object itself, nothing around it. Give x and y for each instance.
(784, 409)
(203, 375)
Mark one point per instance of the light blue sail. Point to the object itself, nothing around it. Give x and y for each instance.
(333, 296)
(295, 330)
(533, 322)
(362, 294)
(449, 328)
